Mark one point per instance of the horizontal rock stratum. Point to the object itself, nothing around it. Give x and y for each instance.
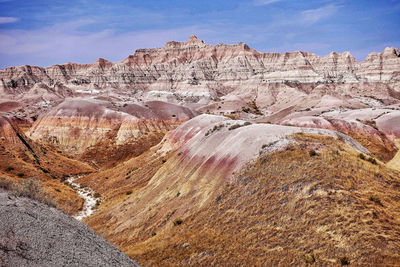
(194, 65)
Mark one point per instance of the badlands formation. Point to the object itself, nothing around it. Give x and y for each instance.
(212, 155)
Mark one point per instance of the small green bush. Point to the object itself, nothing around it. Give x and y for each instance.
(129, 192)
(361, 156)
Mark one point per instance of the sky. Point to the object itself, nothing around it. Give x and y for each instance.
(48, 32)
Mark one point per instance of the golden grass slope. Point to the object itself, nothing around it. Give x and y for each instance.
(291, 207)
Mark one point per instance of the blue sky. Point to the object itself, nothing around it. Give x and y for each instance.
(47, 32)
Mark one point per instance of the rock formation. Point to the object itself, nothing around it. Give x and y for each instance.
(192, 71)
(79, 123)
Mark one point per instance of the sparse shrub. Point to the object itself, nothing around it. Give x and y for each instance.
(6, 183)
(178, 222)
(344, 260)
(369, 159)
(340, 138)
(129, 192)
(173, 115)
(312, 153)
(235, 126)
(96, 195)
(96, 206)
(376, 200)
(246, 110)
(20, 174)
(153, 234)
(309, 258)
(164, 160)
(254, 107)
(372, 160)
(9, 168)
(32, 188)
(178, 194)
(215, 128)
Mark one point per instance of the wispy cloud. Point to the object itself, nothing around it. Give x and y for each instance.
(65, 43)
(315, 15)
(4, 20)
(265, 2)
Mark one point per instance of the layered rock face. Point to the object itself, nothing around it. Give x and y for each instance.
(376, 129)
(195, 69)
(79, 123)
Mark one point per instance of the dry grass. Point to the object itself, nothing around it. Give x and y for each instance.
(106, 154)
(286, 208)
(30, 188)
(18, 163)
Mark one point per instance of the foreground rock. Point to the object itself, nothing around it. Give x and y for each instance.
(33, 234)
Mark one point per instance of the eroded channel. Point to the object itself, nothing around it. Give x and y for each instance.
(91, 198)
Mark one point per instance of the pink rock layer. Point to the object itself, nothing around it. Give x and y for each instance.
(77, 124)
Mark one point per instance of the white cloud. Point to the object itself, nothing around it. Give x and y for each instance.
(65, 43)
(315, 15)
(265, 2)
(4, 20)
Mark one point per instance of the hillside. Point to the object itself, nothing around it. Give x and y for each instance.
(197, 200)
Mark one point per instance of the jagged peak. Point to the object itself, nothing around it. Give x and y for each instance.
(391, 50)
(101, 60)
(194, 39)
